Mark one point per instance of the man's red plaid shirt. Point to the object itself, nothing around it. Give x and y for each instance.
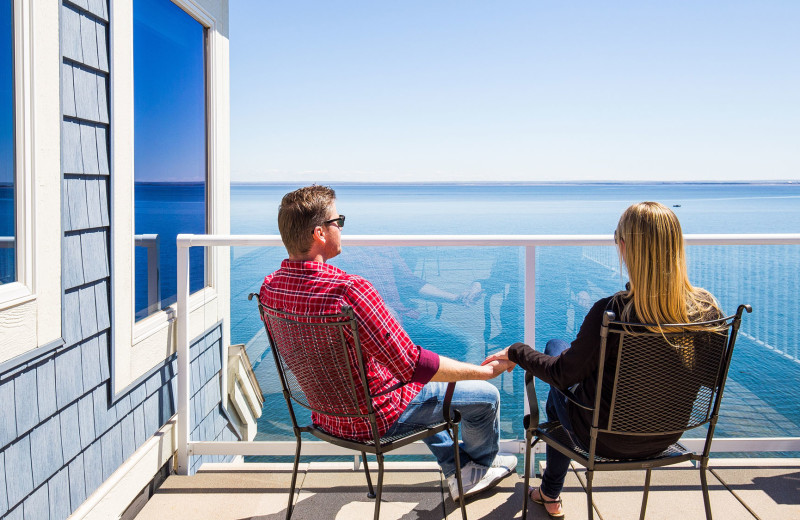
(316, 288)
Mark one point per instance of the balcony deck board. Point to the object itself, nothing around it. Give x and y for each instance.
(769, 487)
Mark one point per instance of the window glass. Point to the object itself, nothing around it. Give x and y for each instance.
(170, 148)
(8, 271)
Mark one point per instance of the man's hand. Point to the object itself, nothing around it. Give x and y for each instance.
(499, 366)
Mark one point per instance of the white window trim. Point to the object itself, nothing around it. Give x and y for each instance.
(30, 308)
(137, 347)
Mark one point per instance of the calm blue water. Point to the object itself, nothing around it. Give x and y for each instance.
(766, 366)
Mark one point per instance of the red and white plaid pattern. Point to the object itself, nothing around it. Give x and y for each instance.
(317, 288)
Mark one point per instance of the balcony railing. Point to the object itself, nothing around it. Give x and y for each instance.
(529, 243)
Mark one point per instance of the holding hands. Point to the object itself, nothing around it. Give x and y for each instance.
(501, 358)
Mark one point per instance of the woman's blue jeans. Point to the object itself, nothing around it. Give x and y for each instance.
(479, 404)
(557, 462)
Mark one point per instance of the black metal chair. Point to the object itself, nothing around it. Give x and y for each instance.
(664, 384)
(315, 357)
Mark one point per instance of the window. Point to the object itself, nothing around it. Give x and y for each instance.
(170, 165)
(8, 267)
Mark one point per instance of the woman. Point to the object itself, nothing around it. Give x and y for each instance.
(650, 244)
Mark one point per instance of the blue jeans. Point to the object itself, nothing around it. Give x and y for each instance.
(479, 404)
(557, 462)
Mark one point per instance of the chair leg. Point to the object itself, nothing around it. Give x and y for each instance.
(646, 491)
(461, 501)
(704, 484)
(589, 477)
(294, 479)
(371, 493)
(528, 437)
(380, 487)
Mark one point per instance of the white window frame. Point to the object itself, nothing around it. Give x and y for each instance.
(138, 347)
(30, 308)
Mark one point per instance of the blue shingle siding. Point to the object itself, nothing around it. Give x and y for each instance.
(16, 514)
(37, 506)
(3, 497)
(97, 8)
(84, 82)
(77, 483)
(67, 91)
(58, 491)
(27, 402)
(103, 316)
(69, 380)
(128, 436)
(86, 420)
(93, 203)
(8, 421)
(46, 455)
(71, 34)
(104, 416)
(102, 187)
(89, 41)
(89, 143)
(111, 445)
(90, 353)
(75, 188)
(72, 271)
(88, 312)
(94, 249)
(71, 158)
(70, 432)
(93, 467)
(139, 431)
(46, 387)
(18, 466)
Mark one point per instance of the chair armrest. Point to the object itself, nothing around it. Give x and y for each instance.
(531, 421)
(449, 418)
(573, 398)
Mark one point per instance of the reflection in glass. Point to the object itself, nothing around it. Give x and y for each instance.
(170, 148)
(7, 221)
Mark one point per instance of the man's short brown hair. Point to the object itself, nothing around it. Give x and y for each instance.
(300, 212)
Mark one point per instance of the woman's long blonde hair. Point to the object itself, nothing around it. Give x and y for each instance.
(650, 239)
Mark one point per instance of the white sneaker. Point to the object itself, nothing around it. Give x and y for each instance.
(476, 478)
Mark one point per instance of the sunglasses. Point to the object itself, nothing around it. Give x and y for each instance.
(338, 221)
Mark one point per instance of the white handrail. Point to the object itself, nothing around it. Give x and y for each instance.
(530, 242)
(487, 240)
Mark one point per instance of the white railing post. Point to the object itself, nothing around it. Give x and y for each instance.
(530, 305)
(183, 356)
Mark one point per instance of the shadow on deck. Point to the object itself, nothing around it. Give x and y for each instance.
(740, 489)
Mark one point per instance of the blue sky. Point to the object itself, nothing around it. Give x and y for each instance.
(514, 90)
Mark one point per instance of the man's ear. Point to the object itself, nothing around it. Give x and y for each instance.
(318, 235)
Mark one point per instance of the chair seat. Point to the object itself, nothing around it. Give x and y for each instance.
(387, 441)
(553, 433)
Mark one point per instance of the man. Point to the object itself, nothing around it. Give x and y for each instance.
(415, 378)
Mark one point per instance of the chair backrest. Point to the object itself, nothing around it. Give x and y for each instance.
(666, 382)
(319, 362)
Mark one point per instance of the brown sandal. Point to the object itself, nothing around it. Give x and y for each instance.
(544, 501)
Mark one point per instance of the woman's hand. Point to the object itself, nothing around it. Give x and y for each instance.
(500, 356)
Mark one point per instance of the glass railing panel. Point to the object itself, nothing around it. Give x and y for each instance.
(477, 307)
